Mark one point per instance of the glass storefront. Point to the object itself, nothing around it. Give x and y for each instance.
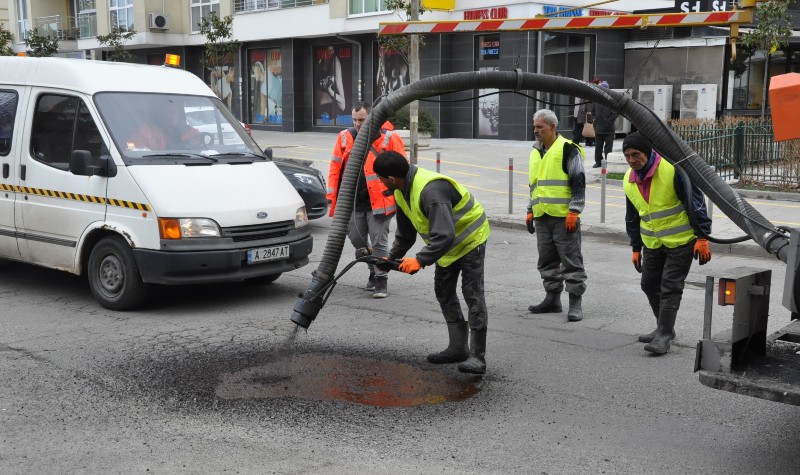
(746, 76)
(266, 87)
(487, 107)
(333, 85)
(566, 55)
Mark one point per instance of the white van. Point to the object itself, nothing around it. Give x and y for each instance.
(100, 174)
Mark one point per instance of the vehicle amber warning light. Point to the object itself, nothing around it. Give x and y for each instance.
(169, 228)
(727, 292)
(172, 60)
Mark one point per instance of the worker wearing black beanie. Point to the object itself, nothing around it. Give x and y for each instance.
(638, 142)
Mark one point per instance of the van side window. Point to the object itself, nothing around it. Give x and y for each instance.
(8, 112)
(62, 124)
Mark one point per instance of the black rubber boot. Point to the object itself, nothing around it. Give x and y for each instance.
(476, 363)
(550, 304)
(655, 303)
(664, 333)
(457, 351)
(575, 313)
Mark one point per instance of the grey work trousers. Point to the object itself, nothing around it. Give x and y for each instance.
(560, 259)
(371, 230)
(445, 282)
(664, 272)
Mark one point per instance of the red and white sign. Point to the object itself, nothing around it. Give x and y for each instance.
(522, 24)
(496, 13)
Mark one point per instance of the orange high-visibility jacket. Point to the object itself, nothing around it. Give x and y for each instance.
(387, 140)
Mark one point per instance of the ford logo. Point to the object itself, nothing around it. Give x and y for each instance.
(261, 215)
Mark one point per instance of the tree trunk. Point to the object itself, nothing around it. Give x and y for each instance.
(764, 86)
(413, 108)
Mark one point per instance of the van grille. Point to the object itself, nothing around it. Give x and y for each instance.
(259, 231)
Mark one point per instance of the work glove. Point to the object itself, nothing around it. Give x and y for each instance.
(701, 251)
(637, 261)
(571, 223)
(529, 223)
(410, 265)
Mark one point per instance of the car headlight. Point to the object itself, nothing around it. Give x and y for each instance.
(185, 228)
(306, 178)
(300, 218)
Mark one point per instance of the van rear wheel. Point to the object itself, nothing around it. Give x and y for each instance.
(114, 275)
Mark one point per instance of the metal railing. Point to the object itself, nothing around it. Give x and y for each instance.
(253, 6)
(743, 150)
(65, 27)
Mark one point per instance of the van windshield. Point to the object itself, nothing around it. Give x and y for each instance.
(149, 126)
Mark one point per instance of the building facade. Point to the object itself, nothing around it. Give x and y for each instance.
(302, 64)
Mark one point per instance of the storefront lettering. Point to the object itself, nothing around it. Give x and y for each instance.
(594, 12)
(486, 14)
(556, 11)
(275, 55)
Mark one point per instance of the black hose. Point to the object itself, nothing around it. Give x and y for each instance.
(663, 138)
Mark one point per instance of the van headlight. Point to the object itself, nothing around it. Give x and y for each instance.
(185, 228)
(300, 218)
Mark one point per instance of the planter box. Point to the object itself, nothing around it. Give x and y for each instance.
(423, 139)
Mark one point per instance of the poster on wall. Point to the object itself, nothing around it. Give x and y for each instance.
(391, 71)
(488, 109)
(266, 87)
(333, 85)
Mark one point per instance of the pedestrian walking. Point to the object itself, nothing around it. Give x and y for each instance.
(558, 189)
(665, 213)
(373, 209)
(455, 229)
(583, 113)
(604, 130)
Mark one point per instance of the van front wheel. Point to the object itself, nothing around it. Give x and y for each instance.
(114, 276)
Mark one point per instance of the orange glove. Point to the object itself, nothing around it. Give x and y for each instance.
(637, 261)
(410, 265)
(571, 223)
(529, 223)
(701, 251)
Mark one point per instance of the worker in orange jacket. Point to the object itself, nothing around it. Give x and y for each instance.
(372, 209)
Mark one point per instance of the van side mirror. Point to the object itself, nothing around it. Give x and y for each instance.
(81, 164)
(268, 152)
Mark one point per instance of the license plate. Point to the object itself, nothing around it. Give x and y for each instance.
(263, 254)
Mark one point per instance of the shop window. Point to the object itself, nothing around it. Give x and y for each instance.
(8, 112)
(746, 76)
(200, 9)
(333, 85)
(487, 107)
(566, 55)
(266, 87)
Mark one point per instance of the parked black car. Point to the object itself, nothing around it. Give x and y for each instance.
(309, 183)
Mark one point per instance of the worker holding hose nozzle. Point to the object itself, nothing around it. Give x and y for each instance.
(659, 198)
(455, 229)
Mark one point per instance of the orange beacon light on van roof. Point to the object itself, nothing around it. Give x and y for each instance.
(173, 60)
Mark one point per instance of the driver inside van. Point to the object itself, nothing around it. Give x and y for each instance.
(165, 130)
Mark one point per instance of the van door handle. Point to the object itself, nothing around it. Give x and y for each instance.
(5, 170)
(22, 172)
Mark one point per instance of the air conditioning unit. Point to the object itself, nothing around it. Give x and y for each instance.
(657, 98)
(699, 101)
(159, 21)
(622, 125)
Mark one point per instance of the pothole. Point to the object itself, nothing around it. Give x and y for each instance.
(358, 380)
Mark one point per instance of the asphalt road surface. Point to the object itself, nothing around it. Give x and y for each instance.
(216, 379)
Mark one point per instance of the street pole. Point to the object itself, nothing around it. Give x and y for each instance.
(413, 67)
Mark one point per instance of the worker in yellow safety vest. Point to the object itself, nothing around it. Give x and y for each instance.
(455, 229)
(659, 200)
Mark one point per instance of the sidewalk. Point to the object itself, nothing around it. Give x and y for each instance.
(483, 167)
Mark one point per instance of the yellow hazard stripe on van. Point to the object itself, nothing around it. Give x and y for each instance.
(76, 197)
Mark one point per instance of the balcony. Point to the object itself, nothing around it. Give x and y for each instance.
(253, 6)
(66, 28)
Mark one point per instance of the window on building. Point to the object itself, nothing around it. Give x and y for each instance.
(87, 18)
(121, 14)
(746, 75)
(358, 7)
(200, 9)
(23, 25)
